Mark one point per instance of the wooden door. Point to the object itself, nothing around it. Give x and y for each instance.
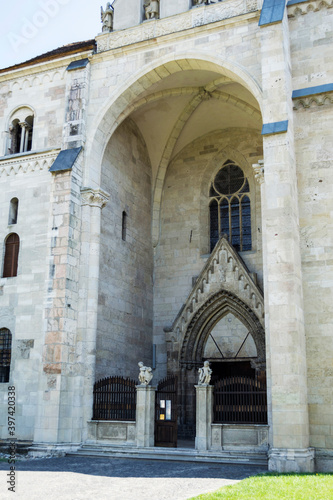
(166, 413)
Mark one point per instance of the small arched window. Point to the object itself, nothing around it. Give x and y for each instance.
(12, 248)
(13, 211)
(5, 354)
(20, 131)
(229, 207)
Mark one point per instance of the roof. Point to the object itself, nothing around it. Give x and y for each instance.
(65, 50)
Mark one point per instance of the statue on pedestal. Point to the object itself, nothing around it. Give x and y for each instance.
(145, 375)
(152, 9)
(205, 374)
(107, 18)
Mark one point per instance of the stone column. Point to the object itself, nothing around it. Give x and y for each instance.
(284, 318)
(145, 415)
(93, 200)
(23, 134)
(204, 417)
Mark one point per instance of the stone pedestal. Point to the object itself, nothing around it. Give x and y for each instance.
(204, 416)
(291, 460)
(145, 415)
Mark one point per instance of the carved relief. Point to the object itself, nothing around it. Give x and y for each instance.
(190, 19)
(259, 171)
(94, 197)
(75, 101)
(306, 7)
(32, 163)
(313, 100)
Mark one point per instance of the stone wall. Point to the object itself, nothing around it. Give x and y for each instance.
(126, 267)
(22, 297)
(44, 93)
(315, 180)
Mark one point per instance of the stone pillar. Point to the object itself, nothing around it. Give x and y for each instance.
(204, 417)
(145, 415)
(93, 200)
(23, 133)
(284, 318)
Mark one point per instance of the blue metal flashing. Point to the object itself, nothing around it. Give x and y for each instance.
(274, 128)
(82, 63)
(272, 12)
(65, 160)
(320, 89)
(294, 2)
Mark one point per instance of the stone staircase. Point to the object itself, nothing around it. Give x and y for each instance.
(241, 457)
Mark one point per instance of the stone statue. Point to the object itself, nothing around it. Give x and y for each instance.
(107, 18)
(205, 374)
(145, 375)
(152, 9)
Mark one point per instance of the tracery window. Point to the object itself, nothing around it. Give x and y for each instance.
(230, 208)
(12, 247)
(5, 354)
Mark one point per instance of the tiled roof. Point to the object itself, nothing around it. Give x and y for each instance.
(65, 50)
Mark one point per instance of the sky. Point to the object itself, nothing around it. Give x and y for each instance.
(31, 27)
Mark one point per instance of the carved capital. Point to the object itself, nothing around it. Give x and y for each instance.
(94, 197)
(259, 171)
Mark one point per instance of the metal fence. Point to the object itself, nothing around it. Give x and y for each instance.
(114, 399)
(240, 400)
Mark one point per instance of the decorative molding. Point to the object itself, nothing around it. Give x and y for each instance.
(193, 18)
(304, 7)
(224, 273)
(94, 197)
(27, 164)
(313, 100)
(259, 171)
(209, 314)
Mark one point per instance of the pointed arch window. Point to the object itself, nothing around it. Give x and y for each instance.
(12, 247)
(229, 207)
(5, 354)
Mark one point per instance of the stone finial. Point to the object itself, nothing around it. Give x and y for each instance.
(107, 18)
(145, 374)
(259, 171)
(205, 374)
(152, 9)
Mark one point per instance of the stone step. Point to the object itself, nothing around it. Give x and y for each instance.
(180, 454)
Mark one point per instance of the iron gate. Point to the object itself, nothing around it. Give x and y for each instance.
(240, 400)
(114, 399)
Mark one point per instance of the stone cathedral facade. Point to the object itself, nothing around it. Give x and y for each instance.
(167, 196)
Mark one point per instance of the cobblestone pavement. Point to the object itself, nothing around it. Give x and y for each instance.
(76, 478)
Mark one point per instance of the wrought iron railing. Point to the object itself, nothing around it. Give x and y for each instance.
(241, 400)
(114, 399)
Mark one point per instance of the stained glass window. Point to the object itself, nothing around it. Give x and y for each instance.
(230, 210)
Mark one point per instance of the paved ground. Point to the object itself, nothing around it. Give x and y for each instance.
(76, 478)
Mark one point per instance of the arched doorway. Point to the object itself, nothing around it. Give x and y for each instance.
(228, 333)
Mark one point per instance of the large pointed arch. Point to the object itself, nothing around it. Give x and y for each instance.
(210, 313)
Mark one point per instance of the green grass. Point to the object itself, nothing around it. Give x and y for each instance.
(277, 487)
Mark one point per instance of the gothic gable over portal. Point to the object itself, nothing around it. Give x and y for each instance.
(224, 273)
